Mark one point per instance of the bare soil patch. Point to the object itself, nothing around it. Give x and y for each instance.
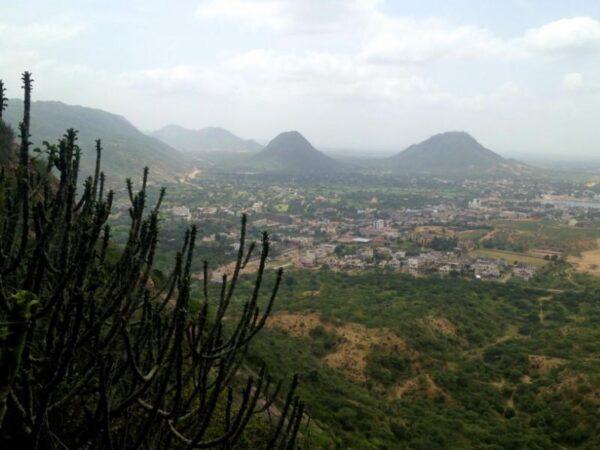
(441, 325)
(499, 384)
(569, 381)
(544, 364)
(350, 356)
(423, 385)
(588, 262)
(297, 325)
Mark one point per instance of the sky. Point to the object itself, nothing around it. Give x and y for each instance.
(522, 76)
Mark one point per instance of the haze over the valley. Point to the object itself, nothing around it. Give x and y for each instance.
(364, 75)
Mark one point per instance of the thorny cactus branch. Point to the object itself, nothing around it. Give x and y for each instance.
(13, 334)
(3, 99)
(109, 359)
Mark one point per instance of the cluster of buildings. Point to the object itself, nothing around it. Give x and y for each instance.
(481, 268)
(314, 230)
(427, 263)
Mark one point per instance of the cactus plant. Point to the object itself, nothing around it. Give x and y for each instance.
(107, 360)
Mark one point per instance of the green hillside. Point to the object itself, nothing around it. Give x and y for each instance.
(453, 152)
(205, 140)
(392, 361)
(290, 152)
(126, 149)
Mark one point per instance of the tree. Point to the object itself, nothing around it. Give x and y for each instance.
(97, 353)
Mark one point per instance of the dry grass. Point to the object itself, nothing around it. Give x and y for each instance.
(588, 262)
(422, 386)
(350, 356)
(297, 325)
(510, 257)
(441, 325)
(543, 364)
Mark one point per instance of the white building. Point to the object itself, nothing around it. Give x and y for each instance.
(379, 224)
(182, 212)
(475, 203)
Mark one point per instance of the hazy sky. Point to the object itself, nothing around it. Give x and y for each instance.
(522, 76)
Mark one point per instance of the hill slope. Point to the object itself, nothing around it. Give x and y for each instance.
(291, 152)
(451, 153)
(392, 361)
(126, 149)
(210, 139)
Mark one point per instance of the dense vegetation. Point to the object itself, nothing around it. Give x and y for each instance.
(97, 349)
(483, 365)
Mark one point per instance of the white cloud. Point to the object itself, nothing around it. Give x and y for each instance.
(386, 38)
(564, 36)
(253, 13)
(362, 28)
(380, 37)
(418, 41)
(573, 81)
(263, 76)
(171, 76)
(406, 40)
(28, 47)
(180, 80)
(14, 58)
(324, 75)
(579, 83)
(266, 76)
(293, 16)
(38, 34)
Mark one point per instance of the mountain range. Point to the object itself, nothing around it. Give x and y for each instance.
(210, 139)
(126, 150)
(170, 151)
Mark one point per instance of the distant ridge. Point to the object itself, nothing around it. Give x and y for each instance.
(210, 139)
(291, 152)
(126, 150)
(453, 152)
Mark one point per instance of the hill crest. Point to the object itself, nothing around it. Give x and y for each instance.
(451, 152)
(126, 150)
(209, 139)
(290, 151)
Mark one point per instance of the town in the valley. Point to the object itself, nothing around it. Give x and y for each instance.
(490, 230)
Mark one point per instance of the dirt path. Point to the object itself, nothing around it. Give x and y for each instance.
(541, 301)
(193, 174)
(489, 235)
(511, 332)
(190, 176)
(284, 259)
